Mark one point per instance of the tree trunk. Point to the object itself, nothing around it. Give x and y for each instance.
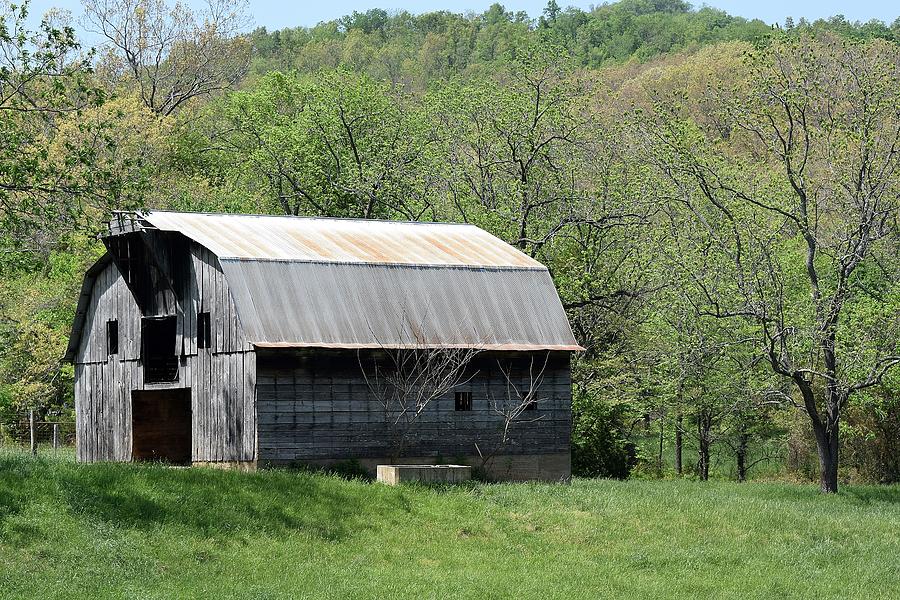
(704, 424)
(679, 444)
(741, 454)
(827, 447)
(826, 428)
(659, 459)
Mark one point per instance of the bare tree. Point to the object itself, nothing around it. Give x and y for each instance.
(171, 53)
(406, 380)
(520, 396)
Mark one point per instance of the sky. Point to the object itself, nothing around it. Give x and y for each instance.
(276, 15)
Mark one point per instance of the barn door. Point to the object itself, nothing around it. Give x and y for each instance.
(161, 425)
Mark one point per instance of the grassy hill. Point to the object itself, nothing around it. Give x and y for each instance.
(113, 531)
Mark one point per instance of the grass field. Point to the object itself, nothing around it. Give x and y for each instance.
(126, 531)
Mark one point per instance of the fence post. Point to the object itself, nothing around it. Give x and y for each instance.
(31, 427)
(55, 436)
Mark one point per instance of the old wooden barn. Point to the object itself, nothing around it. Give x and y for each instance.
(255, 340)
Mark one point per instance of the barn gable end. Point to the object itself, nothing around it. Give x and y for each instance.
(222, 417)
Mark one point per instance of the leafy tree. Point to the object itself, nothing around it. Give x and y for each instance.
(797, 203)
(336, 144)
(43, 80)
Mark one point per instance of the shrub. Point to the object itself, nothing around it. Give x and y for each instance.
(872, 449)
(600, 444)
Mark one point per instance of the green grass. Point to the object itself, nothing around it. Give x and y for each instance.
(114, 531)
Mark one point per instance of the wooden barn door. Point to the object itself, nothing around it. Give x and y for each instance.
(161, 425)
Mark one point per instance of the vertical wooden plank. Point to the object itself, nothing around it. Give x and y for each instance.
(112, 404)
(128, 378)
(209, 395)
(191, 303)
(203, 393)
(230, 406)
(92, 437)
(245, 414)
(102, 412)
(79, 411)
(201, 390)
(212, 422)
(232, 310)
(238, 412)
(219, 309)
(88, 415)
(99, 323)
(204, 291)
(251, 430)
(196, 400)
(195, 396)
(125, 335)
(218, 421)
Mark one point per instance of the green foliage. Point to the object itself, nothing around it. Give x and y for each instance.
(405, 48)
(601, 441)
(332, 144)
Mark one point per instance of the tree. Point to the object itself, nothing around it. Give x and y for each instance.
(512, 147)
(521, 394)
(44, 80)
(170, 53)
(797, 200)
(406, 380)
(336, 144)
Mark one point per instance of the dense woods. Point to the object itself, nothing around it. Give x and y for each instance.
(716, 198)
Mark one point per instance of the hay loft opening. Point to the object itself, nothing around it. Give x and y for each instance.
(158, 339)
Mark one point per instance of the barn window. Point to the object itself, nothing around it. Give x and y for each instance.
(531, 404)
(158, 346)
(204, 339)
(112, 337)
(463, 400)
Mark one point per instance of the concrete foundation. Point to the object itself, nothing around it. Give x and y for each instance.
(396, 474)
(553, 468)
(245, 466)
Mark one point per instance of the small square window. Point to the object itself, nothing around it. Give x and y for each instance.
(531, 405)
(204, 339)
(463, 400)
(112, 337)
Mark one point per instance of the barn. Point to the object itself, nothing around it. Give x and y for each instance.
(251, 341)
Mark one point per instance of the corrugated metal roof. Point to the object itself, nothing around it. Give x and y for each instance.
(344, 283)
(310, 304)
(342, 240)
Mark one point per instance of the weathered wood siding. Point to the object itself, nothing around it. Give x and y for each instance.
(315, 405)
(221, 378)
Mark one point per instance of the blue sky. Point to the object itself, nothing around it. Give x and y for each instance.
(275, 15)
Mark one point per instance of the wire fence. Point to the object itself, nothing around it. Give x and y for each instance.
(30, 433)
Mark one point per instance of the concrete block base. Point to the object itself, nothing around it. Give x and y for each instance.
(233, 465)
(394, 474)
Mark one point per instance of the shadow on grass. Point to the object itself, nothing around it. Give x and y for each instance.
(205, 502)
(870, 493)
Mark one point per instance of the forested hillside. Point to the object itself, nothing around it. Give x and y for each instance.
(716, 198)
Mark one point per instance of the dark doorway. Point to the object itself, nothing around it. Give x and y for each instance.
(161, 425)
(158, 341)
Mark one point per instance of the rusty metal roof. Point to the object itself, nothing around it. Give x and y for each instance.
(345, 283)
(299, 304)
(316, 239)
